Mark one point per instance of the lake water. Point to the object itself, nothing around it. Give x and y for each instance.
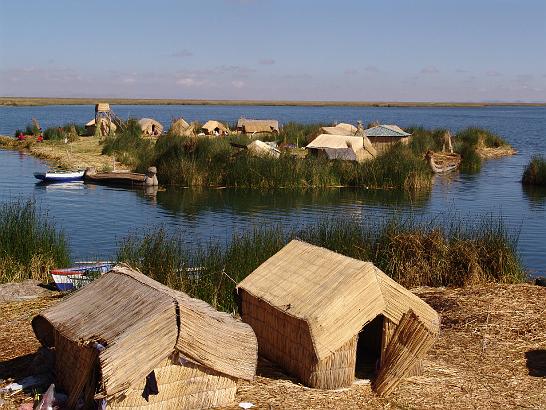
(96, 218)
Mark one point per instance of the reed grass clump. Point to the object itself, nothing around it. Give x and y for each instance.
(213, 162)
(535, 171)
(128, 146)
(30, 246)
(411, 251)
(70, 131)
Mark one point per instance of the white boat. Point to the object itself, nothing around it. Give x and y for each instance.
(68, 279)
(59, 176)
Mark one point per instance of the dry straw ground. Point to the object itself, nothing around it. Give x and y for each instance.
(491, 354)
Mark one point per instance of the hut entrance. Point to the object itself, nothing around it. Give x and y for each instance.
(368, 349)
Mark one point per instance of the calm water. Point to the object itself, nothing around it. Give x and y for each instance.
(97, 218)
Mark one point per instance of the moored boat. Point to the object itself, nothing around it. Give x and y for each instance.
(73, 278)
(121, 178)
(441, 162)
(59, 176)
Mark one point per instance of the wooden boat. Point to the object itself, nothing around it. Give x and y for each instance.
(122, 178)
(73, 278)
(59, 176)
(442, 162)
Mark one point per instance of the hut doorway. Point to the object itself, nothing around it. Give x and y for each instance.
(368, 349)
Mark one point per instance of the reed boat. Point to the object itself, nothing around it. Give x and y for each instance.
(121, 178)
(73, 278)
(442, 162)
(59, 176)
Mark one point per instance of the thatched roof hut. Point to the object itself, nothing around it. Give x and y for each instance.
(340, 129)
(323, 316)
(248, 126)
(337, 146)
(212, 127)
(107, 127)
(182, 128)
(124, 331)
(382, 136)
(150, 127)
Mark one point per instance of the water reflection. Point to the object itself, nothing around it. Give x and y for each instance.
(191, 202)
(536, 195)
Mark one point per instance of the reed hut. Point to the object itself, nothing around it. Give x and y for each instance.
(106, 127)
(339, 147)
(259, 148)
(383, 136)
(247, 126)
(150, 127)
(129, 342)
(325, 318)
(215, 128)
(340, 129)
(182, 128)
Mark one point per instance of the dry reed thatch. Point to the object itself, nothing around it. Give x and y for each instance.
(211, 126)
(182, 128)
(150, 127)
(307, 305)
(139, 323)
(257, 126)
(488, 355)
(409, 344)
(336, 142)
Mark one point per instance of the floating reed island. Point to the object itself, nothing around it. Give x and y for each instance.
(262, 154)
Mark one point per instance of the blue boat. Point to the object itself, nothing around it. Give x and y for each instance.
(59, 176)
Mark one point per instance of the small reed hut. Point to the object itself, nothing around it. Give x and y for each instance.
(383, 136)
(150, 127)
(325, 318)
(212, 127)
(106, 127)
(126, 341)
(247, 126)
(340, 146)
(181, 128)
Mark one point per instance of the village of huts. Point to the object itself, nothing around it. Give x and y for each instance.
(328, 319)
(126, 341)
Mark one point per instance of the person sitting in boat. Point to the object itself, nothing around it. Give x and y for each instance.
(40, 138)
(21, 137)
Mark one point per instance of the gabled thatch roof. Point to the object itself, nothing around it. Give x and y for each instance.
(251, 126)
(386, 131)
(212, 125)
(334, 294)
(181, 127)
(141, 322)
(337, 142)
(340, 129)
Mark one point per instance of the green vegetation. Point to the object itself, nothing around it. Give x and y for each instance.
(71, 131)
(414, 253)
(213, 162)
(29, 244)
(535, 172)
(128, 146)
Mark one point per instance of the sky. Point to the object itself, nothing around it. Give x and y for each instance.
(388, 50)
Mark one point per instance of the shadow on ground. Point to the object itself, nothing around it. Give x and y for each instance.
(536, 362)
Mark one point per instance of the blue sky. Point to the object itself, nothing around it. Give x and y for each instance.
(389, 50)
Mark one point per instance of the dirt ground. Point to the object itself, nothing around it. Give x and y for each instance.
(80, 154)
(491, 354)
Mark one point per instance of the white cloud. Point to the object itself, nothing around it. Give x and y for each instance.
(182, 53)
(190, 82)
(430, 69)
(238, 83)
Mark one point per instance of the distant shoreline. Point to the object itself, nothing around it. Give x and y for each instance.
(39, 101)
